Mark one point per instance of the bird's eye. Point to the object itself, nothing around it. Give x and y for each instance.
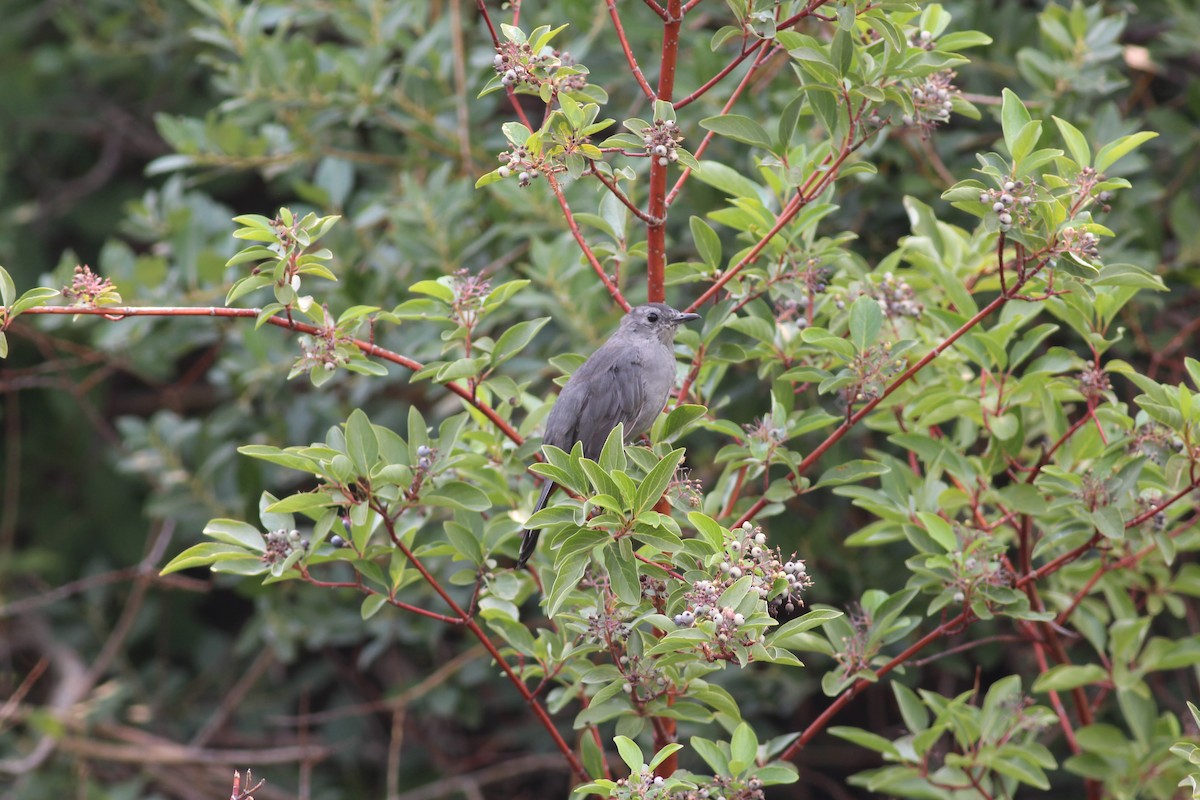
(652, 316)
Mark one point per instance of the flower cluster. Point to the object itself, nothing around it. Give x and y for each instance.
(662, 139)
(1010, 202)
(977, 564)
(873, 368)
(327, 349)
(1093, 382)
(89, 289)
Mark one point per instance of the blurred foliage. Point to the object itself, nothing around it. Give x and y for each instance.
(135, 132)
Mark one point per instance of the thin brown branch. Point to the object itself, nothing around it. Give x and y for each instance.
(629, 56)
(118, 313)
(588, 253)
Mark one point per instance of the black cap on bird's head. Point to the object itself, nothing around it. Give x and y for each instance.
(657, 318)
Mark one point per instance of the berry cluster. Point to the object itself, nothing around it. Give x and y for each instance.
(517, 64)
(1010, 202)
(1084, 243)
(933, 98)
(519, 160)
(811, 280)
(89, 289)
(1148, 499)
(896, 297)
(932, 101)
(644, 785)
(1156, 442)
(281, 544)
(643, 680)
(661, 140)
(725, 788)
(873, 368)
(772, 578)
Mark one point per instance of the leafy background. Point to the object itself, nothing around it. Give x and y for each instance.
(135, 131)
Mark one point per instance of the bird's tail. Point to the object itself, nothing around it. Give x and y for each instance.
(530, 539)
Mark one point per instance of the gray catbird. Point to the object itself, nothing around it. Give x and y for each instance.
(627, 380)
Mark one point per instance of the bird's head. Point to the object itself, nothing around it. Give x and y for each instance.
(656, 319)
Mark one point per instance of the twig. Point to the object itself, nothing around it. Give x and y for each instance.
(613, 291)
(118, 313)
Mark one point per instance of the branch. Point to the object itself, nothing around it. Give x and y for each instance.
(613, 291)
(708, 137)
(471, 625)
(656, 234)
(625, 201)
(118, 313)
(633, 65)
(855, 418)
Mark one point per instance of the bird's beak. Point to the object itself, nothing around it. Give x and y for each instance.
(686, 317)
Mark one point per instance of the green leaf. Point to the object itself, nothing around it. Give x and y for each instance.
(851, 472)
(236, 532)
(664, 754)
(871, 741)
(1013, 118)
(1076, 142)
(812, 619)
(631, 754)
(515, 339)
(1069, 676)
(739, 128)
(941, 530)
(679, 420)
(708, 244)
(656, 481)
(305, 501)
(203, 555)
(866, 320)
(361, 444)
(435, 289)
(565, 581)
(727, 179)
(8, 289)
(1113, 152)
(34, 298)
(457, 494)
(743, 749)
(371, 604)
(623, 573)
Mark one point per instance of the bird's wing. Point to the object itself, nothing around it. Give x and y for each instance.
(607, 390)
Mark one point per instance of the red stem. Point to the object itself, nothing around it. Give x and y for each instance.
(633, 65)
(485, 640)
(854, 419)
(117, 313)
(843, 699)
(708, 137)
(656, 233)
(613, 291)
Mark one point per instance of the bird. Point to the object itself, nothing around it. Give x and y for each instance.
(626, 380)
